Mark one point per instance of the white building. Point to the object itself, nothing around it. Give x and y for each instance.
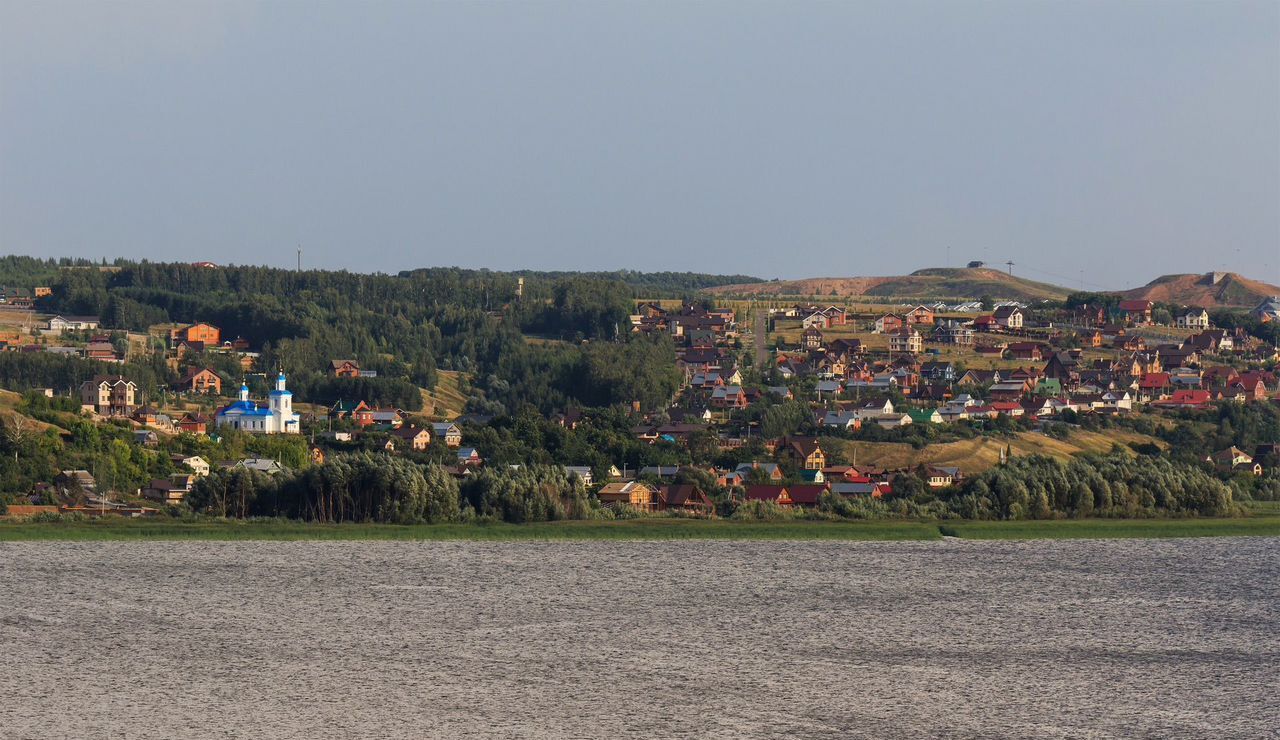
(247, 416)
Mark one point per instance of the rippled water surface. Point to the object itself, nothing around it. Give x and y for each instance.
(1122, 638)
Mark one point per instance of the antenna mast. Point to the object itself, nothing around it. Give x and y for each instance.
(1010, 263)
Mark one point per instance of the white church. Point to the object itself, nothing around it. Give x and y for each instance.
(247, 416)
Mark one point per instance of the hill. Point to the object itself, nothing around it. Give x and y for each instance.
(1209, 290)
(935, 283)
(980, 453)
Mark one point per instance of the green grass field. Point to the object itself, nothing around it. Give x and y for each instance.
(638, 529)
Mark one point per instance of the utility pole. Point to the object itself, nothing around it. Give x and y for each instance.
(1010, 264)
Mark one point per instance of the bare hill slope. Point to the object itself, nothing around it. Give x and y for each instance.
(1209, 290)
(938, 282)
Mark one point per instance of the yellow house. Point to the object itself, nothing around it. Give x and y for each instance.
(632, 493)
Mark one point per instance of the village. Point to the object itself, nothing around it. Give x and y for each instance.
(856, 379)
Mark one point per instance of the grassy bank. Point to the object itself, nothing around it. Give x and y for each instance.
(640, 529)
(1267, 525)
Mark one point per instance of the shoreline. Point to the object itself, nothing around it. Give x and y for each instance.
(642, 530)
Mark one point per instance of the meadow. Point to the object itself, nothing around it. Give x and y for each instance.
(1264, 523)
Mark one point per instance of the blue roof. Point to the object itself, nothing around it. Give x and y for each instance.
(244, 408)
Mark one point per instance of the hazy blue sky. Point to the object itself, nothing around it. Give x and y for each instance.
(781, 139)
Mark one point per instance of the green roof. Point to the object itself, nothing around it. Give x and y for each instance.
(921, 415)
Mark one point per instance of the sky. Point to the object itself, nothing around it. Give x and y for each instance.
(1095, 144)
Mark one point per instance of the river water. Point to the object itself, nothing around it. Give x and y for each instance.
(1119, 638)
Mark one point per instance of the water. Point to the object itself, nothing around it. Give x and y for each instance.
(1171, 638)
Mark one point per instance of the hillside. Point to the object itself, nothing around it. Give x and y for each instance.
(1209, 290)
(980, 453)
(937, 283)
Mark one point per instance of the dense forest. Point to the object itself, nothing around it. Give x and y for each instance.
(406, 326)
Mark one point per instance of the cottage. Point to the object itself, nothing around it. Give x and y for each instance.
(1008, 317)
(906, 339)
(636, 494)
(415, 438)
(806, 452)
(63, 324)
(206, 335)
(686, 497)
(889, 323)
(469, 457)
(1136, 312)
(1234, 460)
(447, 431)
(344, 369)
(1195, 318)
(200, 380)
(109, 395)
(196, 464)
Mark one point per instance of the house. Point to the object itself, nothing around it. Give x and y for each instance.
(196, 464)
(661, 472)
(469, 457)
(194, 423)
(889, 323)
(941, 372)
(63, 324)
(205, 334)
(836, 315)
(447, 431)
(200, 380)
(344, 369)
(817, 320)
(961, 336)
(906, 339)
(924, 416)
(146, 437)
(109, 395)
(892, 421)
(771, 470)
(581, 472)
(1186, 398)
(920, 315)
(811, 338)
(806, 452)
(257, 464)
(636, 494)
(842, 420)
(806, 494)
(686, 497)
(246, 416)
(857, 488)
(387, 418)
(171, 490)
(1234, 460)
(986, 323)
(979, 378)
(1154, 386)
(1195, 318)
(1268, 310)
(1136, 313)
(415, 438)
(941, 477)
(728, 397)
(1008, 317)
(75, 481)
(103, 351)
(767, 492)
(1032, 351)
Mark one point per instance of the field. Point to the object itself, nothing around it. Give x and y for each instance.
(656, 529)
